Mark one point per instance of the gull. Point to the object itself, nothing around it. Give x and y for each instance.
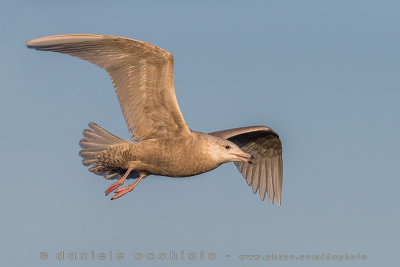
(162, 143)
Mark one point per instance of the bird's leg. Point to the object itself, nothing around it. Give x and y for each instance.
(123, 190)
(118, 183)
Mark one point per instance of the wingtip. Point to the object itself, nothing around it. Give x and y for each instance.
(271, 200)
(29, 44)
(35, 42)
(92, 125)
(278, 199)
(63, 38)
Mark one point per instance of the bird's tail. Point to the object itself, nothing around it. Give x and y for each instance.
(96, 140)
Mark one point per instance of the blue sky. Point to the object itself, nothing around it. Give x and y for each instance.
(323, 74)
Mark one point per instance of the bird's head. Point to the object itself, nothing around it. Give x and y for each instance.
(225, 151)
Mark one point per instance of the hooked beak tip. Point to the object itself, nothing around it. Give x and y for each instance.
(251, 160)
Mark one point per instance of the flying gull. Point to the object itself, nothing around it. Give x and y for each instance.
(162, 143)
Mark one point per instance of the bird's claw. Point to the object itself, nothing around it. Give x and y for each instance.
(112, 187)
(126, 189)
(122, 191)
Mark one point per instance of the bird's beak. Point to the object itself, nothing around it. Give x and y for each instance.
(245, 157)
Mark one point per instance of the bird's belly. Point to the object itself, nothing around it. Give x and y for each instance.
(172, 157)
(179, 167)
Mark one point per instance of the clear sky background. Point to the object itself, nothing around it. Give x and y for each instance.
(323, 74)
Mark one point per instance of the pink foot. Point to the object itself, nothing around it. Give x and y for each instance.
(118, 183)
(124, 190)
(114, 186)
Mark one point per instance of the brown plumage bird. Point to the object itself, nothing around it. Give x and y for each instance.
(163, 144)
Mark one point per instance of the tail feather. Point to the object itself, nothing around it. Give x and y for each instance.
(106, 135)
(89, 146)
(96, 140)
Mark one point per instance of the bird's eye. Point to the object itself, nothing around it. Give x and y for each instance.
(227, 147)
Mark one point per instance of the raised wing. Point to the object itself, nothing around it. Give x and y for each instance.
(265, 174)
(142, 74)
